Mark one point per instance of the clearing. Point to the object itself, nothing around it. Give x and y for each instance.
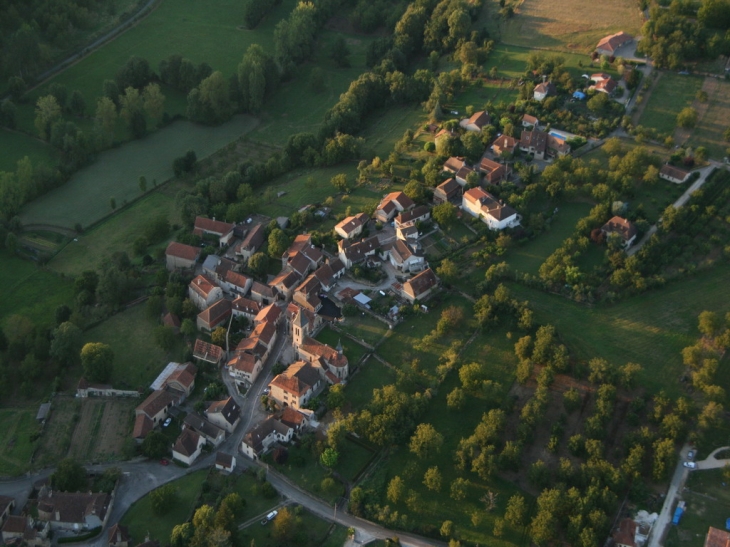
(17, 443)
(710, 130)
(670, 95)
(85, 198)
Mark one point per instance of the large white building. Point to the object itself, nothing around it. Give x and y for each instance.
(489, 209)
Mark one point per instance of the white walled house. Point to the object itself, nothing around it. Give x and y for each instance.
(488, 209)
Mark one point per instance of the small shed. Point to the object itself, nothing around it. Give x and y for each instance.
(579, 95)
(360, 298)
(43, 411)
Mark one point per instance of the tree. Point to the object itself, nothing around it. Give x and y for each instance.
(456, 398)
(188, 328)
(66, 344)
(181, 534)
(106, 119)
(336, 397)
(284, 525)
(415, 190)
(459, 489)
(278, 243)
(215, 99)
(396, 489)
(516, 511)
(47, 111)
(97, 359)
(340, 52)
(426, 441)
(432, 479)
(447, 529)
(153, 101)
(17, 87)
(709, 323)
(77, 104)
(663, 458)
(165, 337)
(329, 457)
(60, 92)
(70, 476)
(163, 499)
(687, 118)
(340, 183)
(444, 214)
(447, 270)
(155, 445)
(258, 263)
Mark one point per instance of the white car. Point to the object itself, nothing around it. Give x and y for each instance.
(690, 465)
(167, 422)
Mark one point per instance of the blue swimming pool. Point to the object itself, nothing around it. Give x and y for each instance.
(557, 135)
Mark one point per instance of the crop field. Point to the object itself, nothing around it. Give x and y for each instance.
(30, 291)
(103, 426)
(58, 432)
(529, 257)
(138, 520)
(118, 232)
(712, 126)
(86, 197)
(16, 447)
(670, 95)
(650, 329)
(14, 146)
(571, 26)
(135, 364)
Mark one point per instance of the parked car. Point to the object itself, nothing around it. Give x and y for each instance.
(268, 518)
(690, 455)
(690, 465)
(167, 422)
(267, 391)
(163, 461)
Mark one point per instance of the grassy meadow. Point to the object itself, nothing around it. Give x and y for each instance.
(712, 126)
(15, 146)
(86, 197)
(650, 329)
(670, 95)
(568, 26)
(16, 448)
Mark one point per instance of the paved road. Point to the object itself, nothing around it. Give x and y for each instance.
(675, 487)
(711, 462)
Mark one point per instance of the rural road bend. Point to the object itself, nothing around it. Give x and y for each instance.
(675, 487)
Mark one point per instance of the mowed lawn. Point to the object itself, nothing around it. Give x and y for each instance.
(710, 130)
(118, 232)
(529, 257)
(650, 329)
(86, 197)
(671, 94)
(15, 146)
(572, 25)
(372, 375)
(26, 289)
(511, 61)
(16, 447)
(137, 358)
(140, 520)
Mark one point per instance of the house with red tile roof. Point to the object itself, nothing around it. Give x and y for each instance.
(413, 217)
(244, 307)
(203, 292)
(285, 283)
(296, 386)
(73, 510)
(209, 353)
(493, 172)
(529, 121)
(391, 205)
(262, 293)
(182, 380)
(270, 314)
(252, 242)
(351, 253)
(544, 90)
(504, 145)
(188, 446)
(717, 538)
(420, 286)
(215, 315)
(181, 256)
(118, 536)
(493, 212)
(610, 44)
(225, 462)
(477, 122)
(235, 283)
(245, 367)
(449, 190)
(405, 259)
(351, 226)
(625, 229)
(7, 504)
(260, 438)
(222, 230)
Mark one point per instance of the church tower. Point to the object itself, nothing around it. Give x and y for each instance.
(300, 328)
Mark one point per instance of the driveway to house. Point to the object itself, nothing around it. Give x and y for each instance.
(675, 487)
(347, 282)
(711, 462)
(684, 198)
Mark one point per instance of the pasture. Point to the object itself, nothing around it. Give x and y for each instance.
(568, 26)
(364, 327)
(670, 95)
(16, 447)
(86, 197)
(511, 61)
(385, 127)
(15, 146)
(372, 375)
(29, 290)
(529, 257)
(650, 329)
(139, 518)
(137, 358)
(711, 127)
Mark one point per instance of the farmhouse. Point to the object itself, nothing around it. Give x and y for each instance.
(405, 259)
(187, 447)
(413, 217)
(24, 530)
(420, 286)
(252, 242)
(449, 190)
(351, 226)
(491, 211)
(179, 255)
(206, 226)
(210, 432)
(328, 274)
(493, 172)
(673, 174)
(296, 385)
(210, 353)
(225, 414)
(625, 229)
(225, 462)
(257, 441)
(544, 90)
(307, 294)
(610, 44)
(203, 292)
(477, 122)
(182, 380)
(215, 315)
(530, 121)
(73, 510)
(504, 145)
(392, 204)
(353, 253)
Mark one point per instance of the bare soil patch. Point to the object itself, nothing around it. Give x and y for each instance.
(58, 431)
(102, 429)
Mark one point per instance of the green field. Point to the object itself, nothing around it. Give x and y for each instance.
(352, 350)
(511, 61)
(672, 93)
(650, 329)
(137, 358)
(16, 448)
(30, 291)
(529, 257)
(385, 127)
(14, 146)
(372, 375)
(139, 518)
(311, 531)
(364, 327)
(118, 232)
(710, 130)
(85, 198)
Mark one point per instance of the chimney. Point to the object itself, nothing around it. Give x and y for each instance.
(543, 81)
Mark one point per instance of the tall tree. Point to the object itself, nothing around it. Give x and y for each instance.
(98, 361)
(47, 111)
(154, 102)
